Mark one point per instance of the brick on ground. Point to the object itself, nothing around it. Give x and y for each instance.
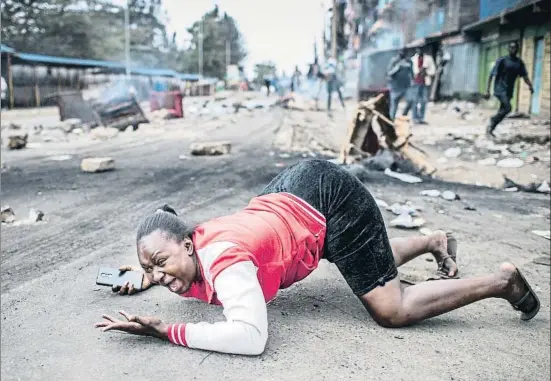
(97, 164)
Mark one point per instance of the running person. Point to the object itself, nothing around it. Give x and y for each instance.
(311, 210)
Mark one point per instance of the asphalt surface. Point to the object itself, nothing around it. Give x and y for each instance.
(318, 329)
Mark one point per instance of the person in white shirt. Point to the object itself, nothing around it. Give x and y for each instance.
(424, 70)
(4, 92)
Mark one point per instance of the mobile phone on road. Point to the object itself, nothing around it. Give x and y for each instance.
(110, 276)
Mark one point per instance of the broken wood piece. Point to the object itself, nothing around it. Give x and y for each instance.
(97, 164)
(211, 149)
(418, 160)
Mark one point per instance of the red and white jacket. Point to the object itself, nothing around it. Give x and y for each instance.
(245, 258)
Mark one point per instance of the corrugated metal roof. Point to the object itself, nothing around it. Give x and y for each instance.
(189, 77)
(6, 49)
(154, 72)
(67, 60)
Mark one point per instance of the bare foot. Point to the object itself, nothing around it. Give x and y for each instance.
(439, 249)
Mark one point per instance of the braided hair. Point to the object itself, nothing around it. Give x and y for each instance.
(166, 220)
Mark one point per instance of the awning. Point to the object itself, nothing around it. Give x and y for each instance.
(480, 24)
(416, 43)
(6, 49)
(440, 36)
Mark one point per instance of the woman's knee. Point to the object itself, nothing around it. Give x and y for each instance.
(384, 304)
(389, 318)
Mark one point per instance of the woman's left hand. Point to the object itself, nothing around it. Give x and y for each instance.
(136, 325)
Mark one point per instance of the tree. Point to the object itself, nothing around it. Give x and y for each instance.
(263, 69)
(92, 29)
(220, 37)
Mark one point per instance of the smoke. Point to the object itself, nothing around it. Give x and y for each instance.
(392, 25)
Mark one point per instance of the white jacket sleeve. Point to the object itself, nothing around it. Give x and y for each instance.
(245, 330)
(430, 66)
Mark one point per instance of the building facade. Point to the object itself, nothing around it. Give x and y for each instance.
(526, 22)
(472, 33)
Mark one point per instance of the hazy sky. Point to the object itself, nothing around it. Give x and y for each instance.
(279, 30)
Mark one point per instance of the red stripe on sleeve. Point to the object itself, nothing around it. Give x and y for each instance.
(177, 334)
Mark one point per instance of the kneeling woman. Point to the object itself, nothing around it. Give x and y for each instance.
(310, 211)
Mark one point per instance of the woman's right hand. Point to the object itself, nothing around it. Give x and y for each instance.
(128, 288)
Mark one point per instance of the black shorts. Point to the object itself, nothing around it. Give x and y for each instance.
(356, 239)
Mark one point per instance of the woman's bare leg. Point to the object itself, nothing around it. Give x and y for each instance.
(405, 249)
(391, 306)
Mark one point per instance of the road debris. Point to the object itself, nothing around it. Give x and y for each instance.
(489, 161)
(60, 158)
(403, 176)
(210, 148)
(69, 125)
(104, 133)
(450, 196)
(371, 130)
(452, 152)
(425, 231)
(36, 215)
(512, 186)
(7, 215)
(510, 163)
(381, 204)
(406, 221)
(431, 193)
(399, 209)
(543, 233)
(17, 141)
(469, 207)
(97, 164)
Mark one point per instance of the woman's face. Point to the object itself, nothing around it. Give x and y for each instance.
(170, 263)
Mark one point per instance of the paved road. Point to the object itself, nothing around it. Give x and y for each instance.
(318, 329)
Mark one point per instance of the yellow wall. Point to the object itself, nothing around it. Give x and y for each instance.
(527, 55)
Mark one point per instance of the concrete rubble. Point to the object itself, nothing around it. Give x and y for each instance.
(406, 221)
(104, 133)
(510, 163)
(16, 142)
(449, 196)
(210, 148)
(7, 215)
(431, 193)
(97, 164)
